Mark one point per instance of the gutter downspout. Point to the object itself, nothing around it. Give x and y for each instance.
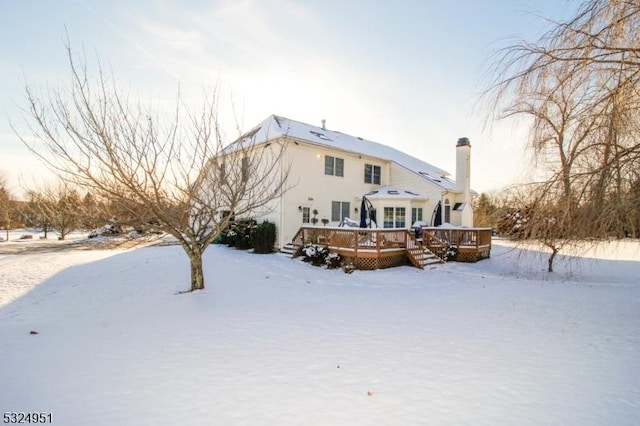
(282, 194)
(444, 194)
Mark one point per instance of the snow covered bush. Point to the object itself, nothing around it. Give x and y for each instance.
(333, 261)
(319, 255)
(314, 254)
(110, 229)
(348, 266)
(239, 234)
(452, 253)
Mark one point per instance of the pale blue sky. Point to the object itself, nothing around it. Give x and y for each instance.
(403, 73)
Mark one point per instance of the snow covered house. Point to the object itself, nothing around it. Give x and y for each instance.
(330, 172)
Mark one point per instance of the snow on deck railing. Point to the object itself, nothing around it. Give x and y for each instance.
(354, 238)
(461, 237)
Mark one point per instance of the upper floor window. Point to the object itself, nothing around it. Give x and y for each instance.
(223, 173)
(333, 166)
(245, 169)
(372, 174)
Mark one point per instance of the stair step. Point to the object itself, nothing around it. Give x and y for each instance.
(422, 257)
(288, 249)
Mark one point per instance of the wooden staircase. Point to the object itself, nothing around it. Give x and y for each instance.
(419, 255)
(435, 245)
(289, 249)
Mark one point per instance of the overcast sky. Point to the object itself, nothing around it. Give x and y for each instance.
(403, 73)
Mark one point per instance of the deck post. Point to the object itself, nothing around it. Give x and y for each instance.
(355, 242)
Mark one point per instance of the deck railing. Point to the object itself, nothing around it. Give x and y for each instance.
(471, 244)
(354, 238)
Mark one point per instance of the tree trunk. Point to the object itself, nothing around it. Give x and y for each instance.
(551, 258)
(197, 276)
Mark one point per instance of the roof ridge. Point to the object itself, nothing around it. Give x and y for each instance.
(275, 126)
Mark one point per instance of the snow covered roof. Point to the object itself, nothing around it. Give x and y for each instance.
(392, 192)
(275, 127)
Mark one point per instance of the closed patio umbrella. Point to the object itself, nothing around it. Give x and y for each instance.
(363, 213)
(437, 215)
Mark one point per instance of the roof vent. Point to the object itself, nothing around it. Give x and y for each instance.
(324, 124)
(320, 135)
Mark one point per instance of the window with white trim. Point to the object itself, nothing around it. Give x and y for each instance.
(394, 217)
(339, 210)
(223, 173)
(306, 214)
(245, 169)
(333, 166)
(447, 211)
(372, 174)
(416, 214)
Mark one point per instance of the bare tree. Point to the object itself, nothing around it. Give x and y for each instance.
(176, 169)
(529, 214)
(579, 88)
(55, 207)
(7, 206)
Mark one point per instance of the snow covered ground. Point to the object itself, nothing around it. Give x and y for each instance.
(274, 341)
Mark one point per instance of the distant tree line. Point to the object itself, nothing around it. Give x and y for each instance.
(61, 208)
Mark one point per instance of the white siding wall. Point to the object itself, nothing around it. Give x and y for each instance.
(308, 186)
(405, 179)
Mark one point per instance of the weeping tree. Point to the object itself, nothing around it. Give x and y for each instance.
(578, 88)
(175, 167)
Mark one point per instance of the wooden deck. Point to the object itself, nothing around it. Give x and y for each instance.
(469, 244)
(384, 248)
(365, 248)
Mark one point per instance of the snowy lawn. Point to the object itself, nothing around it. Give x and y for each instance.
(274, 341)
